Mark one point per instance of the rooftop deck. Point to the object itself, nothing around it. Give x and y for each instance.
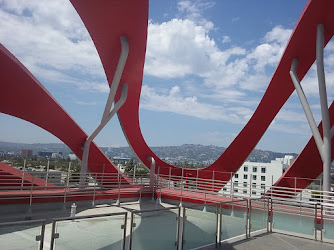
(159, 225)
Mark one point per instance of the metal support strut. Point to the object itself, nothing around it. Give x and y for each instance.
(109, 112)
(152, 172)
(323, 144)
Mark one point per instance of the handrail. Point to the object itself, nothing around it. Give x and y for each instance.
(67, 187)
(154, 210)
(88, 216)
(270, 206)
(13, 223)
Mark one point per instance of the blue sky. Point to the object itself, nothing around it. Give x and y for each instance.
(207, 66)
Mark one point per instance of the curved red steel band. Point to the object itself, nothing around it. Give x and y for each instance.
(11, 176)
(106, 25)
(23, 96)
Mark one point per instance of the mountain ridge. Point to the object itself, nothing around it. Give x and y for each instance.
(196, 154)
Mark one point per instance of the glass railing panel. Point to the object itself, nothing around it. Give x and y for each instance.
(21, 235)
(258, 215)
(234, 218)
(329, 228)
(99, 232)
(293, 219)
(200, 226)
(155, 229)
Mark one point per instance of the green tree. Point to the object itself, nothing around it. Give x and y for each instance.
(129, 166)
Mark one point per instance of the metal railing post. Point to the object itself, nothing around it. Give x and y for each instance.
(217, 225)
(158, 178)
(213, 180)
(159, 198)
(132, 225)
(248, 218)
(134, 174)
(322, 222)
(93, 202)
(102, 179)
(140, 189)
(169, 179)
(197, 178)
(124, 226)
(47, 173)
(29, 212)
(178, 230)
(315, 221)
(158, 201)
(184, 217)
(31, 188)
(181, 183)
(54, 235)
(271, 218)
(250, 185)
(268, 214)
(23, 172)
(205, 193)
(231, 186)
(67, 184)
(41, 244)
(118, 202)
(220, 223)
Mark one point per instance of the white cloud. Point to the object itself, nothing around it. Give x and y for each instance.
(190, 106)
(216, 137)
(193, 11)
(269, 53)
(50, 40)
(285, 127)
(85, 103)
(226, 39)
(291, 116)
(235, 19)
(278, 35)
(180, 47)
(177, 48)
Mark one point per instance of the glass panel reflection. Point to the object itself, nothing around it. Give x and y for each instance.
(293, 219)
(91, 233)
(200, 226)
(259, 215)
(155, 230)
(234, 218)
(20, 236)
(329, 229)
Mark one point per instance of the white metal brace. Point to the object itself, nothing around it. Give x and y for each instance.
(109, 112)
(152, 172)
(323, 144)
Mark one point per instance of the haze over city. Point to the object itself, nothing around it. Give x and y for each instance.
(207, 66)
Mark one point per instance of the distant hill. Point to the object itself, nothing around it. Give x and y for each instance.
(192, 153)
(35, 147)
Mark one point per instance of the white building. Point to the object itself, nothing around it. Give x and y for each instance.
(73, 157)
(254, 178)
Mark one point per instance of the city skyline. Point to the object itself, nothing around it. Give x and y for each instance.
(207, 66)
